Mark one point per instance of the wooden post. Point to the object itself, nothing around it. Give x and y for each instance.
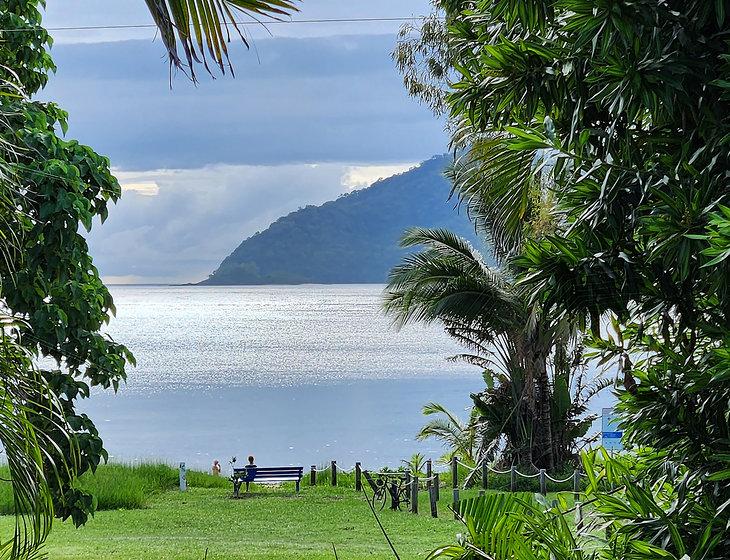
(333, 465)
(428, 473)
(358, 477)
(485, 475)
(183, 478)
(512, 478)
(437, 485)
(576, 484)
(543, 483)
(579, 516)
(313, 475)
(455, 485)
(414, 495)
(433, 499)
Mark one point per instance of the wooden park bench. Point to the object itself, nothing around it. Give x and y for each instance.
(265, 474)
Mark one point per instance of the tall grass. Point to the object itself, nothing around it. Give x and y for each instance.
(119, 486)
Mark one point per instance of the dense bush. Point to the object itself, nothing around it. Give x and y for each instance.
(605, 124)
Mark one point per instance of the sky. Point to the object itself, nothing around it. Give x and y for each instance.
(315, 110)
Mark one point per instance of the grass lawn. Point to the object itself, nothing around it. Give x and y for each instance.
(271, 523)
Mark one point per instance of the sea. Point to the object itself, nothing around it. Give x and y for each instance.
(294, 375)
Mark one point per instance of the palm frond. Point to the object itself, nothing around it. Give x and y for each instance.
(195, 31)
(496, 185)
(437, 408)
(448, 281)
(25, 397)
(458, 436)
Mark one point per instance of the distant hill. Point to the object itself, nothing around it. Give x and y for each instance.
(353, 239)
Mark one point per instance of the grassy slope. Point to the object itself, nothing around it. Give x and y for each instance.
(272, 523)
(157, 521)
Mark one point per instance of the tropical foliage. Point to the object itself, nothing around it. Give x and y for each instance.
(53, 302)
(198, 31)
(26, 396)
(459, 437)
(533, 410)
(617, 113)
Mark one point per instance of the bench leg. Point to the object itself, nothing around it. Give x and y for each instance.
(247, 487)
(236, 488)
(297, 487)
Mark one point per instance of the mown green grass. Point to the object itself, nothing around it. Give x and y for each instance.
(155, 520)
(271, 523)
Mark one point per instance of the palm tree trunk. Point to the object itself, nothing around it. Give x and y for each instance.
(545, 444)
(539, 352)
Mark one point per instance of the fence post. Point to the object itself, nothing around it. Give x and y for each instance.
(485, 475)
(183, 478)
(543, 483)
(313, 475)
(576, 484)
(334, 473)
(455, 485)
(429, 469)
(414, 494)
(579, 516)
(432, 498)
(512, 478)
(358, 477)
(437, 485)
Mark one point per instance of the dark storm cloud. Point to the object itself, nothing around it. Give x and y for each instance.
(325, 99)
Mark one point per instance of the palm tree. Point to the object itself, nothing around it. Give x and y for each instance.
(521, 349)
(191, 28)
(458, 436)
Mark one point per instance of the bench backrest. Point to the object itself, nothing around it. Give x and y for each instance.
(263, 473)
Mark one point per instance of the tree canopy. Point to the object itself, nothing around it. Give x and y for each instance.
(613, 116)
(49, 286)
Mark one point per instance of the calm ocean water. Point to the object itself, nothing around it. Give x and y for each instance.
(292, 374)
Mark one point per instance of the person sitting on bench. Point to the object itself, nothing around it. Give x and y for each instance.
(252, 473)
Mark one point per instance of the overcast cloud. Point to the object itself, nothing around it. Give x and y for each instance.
(308, 100)
(311, 114)
(78, 13)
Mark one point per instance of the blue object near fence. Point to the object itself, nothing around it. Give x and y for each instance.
(610, 433)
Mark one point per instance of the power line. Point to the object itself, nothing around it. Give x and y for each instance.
(266, 23)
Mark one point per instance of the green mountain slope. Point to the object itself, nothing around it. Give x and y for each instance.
(353, 239)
